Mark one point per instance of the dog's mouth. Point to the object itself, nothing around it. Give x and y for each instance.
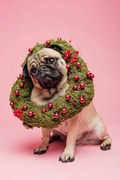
(49, 78)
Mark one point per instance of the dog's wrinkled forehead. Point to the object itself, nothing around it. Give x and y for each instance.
(44, 53)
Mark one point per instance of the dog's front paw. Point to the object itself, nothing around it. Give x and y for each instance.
(66, 157)
(40, 150)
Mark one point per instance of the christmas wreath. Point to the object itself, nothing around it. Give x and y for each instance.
(79, 94)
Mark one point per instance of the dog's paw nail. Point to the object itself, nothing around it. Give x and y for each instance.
(105, 147)
(72, 159)
(40, 151)
(66, 158)
(60, 158)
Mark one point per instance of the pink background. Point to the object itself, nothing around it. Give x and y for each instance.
(94, 28)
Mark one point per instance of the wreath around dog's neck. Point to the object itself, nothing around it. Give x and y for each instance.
(78, 95)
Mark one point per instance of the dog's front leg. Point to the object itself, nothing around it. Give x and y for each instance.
(68, 154)
(45, 142)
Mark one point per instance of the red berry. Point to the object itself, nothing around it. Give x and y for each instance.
(67, 97)
(21, 85)
(66, 53)
(72, 61)
(77, 52)
(30, 50)
(18, 113)
(78, 64)
(76, 78)
(75, 56)
(16, 92)
(67, 66)
(33, 113)
(82, 100)
(64, 110)
(92, 75)
(24, 108)
(21, 76)
(82, 85)
(66, 57)
(11, 104)
(47, 42)
(69, 52)
(50, 105)
(75, 60)
(56, 115)
(75, 87)
(59, 38)
(43, 110)
(88, 74)
(30, 113)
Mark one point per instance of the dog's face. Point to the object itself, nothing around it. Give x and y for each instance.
(47, 69)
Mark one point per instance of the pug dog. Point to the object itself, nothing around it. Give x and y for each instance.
(47, 70)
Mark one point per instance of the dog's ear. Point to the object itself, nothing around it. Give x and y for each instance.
(56, 48)
(25, 70)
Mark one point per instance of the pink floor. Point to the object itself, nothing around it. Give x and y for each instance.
(94, 28)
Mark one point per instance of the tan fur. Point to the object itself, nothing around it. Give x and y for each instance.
(85, 128)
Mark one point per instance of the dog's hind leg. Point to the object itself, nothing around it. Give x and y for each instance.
(106, 144)
(57, 136)
(101, 133)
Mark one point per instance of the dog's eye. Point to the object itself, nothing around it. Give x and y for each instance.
(33, 70)
(51, 60)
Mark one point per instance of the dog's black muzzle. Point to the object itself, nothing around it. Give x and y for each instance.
(48, 77)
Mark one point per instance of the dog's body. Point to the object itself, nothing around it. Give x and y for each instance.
(86, 127)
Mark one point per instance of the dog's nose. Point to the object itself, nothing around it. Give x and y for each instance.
(48, 80)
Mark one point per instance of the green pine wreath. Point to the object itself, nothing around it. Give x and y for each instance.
(79, 94)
